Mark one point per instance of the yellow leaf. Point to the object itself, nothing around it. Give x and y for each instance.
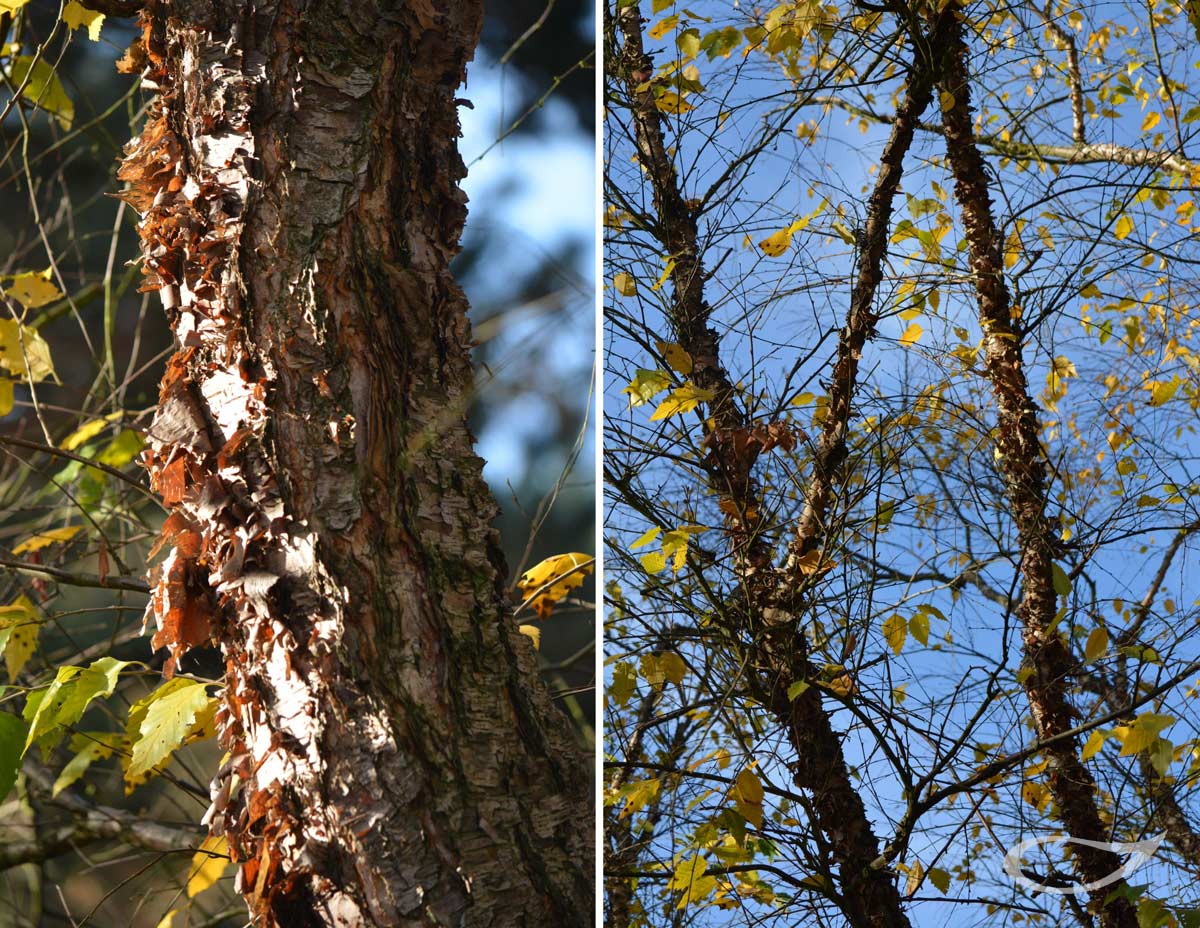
(1124, 227)
(911, 334)
(76, 15)
(916, 874)
(676, 357)
(1152, 119)
(19, 627)
(670, 102)
(625, 284)
(6, 396)
(645, 538)
(45, 539)
(946, 98)
(646, 385)
(940, 878)
(842, 685)
(812, 563)
(44, 89)
(1163, 390)
(1142, 733)
(87, 432)
(24, 352)
(208, 863)
(654, 563)
(1097, 644)
(11, 6)
(663, 26)
(33, 289)
(895, 632)
(748, 793)
(672, 667)
(546, 583)
(1094, 743)
(682, 400)
(532, 631)
(166, 920)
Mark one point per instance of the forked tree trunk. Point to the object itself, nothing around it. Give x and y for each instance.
(394, 758)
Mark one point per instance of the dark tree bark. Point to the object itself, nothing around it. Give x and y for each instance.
(394, 759)
(1022, 463)
(868, 895)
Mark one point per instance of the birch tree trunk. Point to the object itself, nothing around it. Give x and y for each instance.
(394, 759)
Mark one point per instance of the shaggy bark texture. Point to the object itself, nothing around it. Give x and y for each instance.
(1021, 460)
(394, 759)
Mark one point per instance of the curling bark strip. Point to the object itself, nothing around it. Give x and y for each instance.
(1021, 462)
(869, 896)
(393, 757)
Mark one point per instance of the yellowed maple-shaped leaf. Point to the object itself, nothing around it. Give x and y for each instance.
(52, 536)
(208, 864)
(548, 582)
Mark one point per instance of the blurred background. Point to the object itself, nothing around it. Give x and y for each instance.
(528, 268)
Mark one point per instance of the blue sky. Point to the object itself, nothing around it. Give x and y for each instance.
(772, 312)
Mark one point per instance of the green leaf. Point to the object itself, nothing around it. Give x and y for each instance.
(12, 740)
(44, 88)
(43, 725)
(1062, 583)
(161, 722)
(939, 878)
(646, 385)
(122, 449)
(796, 689)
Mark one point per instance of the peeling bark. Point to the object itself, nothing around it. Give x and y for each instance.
(394, 759)
(1021, 462)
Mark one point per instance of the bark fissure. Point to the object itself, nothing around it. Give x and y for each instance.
(393, 758)
(1022, 464)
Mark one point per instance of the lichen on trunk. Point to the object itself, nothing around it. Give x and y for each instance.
(393, 757)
